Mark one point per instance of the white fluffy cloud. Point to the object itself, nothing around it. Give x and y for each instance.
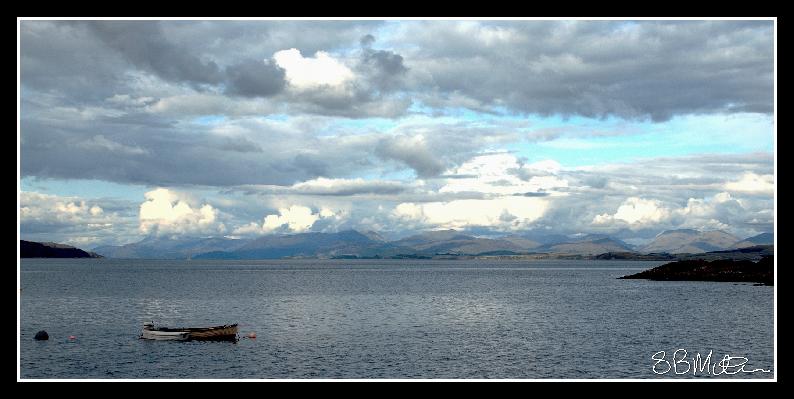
(637, 212)
(36, 207)
(753, 183)
(167, 212)
(71, 220)
(295, 219)
(504, 213)
(511, 203)
(496, 174)
(311, 72)
(718, 212)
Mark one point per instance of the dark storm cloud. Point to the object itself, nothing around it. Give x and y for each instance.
(382, 69)
(628, 69)
(91, 61)
(413, 153)
(156, 157)
(255, 78)
(545, 67)
(65, 59)
(332, 187)
(144, 44)
(600, 68)
(367, 40)
(386, 62)
(192, 103)
(240, 144)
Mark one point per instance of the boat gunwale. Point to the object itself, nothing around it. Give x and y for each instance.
(197, 329)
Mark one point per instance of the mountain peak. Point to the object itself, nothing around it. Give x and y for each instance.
(690, 241)
(678, 231)
(374, 236)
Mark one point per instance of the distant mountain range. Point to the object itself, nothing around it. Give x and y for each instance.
(355, 244)
(32, 249)
(693, 241)
(761, 239)
(170, 248)
(327, 245)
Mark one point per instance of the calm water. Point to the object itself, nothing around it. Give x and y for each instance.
(382, 319)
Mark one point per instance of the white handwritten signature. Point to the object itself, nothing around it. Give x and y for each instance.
(728, 365)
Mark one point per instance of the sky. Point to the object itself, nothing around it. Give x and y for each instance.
(209, 128)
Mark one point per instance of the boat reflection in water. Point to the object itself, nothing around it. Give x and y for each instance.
(226, 332)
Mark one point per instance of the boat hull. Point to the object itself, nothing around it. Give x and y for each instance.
(221, 333)
(165, 335)
(217, 333)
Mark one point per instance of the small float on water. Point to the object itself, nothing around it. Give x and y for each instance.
(226, 332)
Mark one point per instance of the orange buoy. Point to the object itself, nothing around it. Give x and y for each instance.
(252, 335)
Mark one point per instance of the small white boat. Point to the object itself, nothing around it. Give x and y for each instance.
(149, 332)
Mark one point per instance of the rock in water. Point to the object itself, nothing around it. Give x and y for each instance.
(42, 336)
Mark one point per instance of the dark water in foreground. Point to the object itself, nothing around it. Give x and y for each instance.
(383, 319)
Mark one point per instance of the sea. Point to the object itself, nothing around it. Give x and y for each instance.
(389, 319)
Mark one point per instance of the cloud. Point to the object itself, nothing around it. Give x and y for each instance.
(412, 151)
(146, 45)
(312, 72)
(628, 69)
(720, 211)
(72, 220)
(255, 78)
(753, 183)
(36, 208)
(101, 143)
(332, 187)
(367, 40)
(500, 214)
(495, 174)
(296, 218)
(167, 212)
(430, 113)
(384, 69)
(511, 202)
(636, 212)
(346, 187)
(293, 219)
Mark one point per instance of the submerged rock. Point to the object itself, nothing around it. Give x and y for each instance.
(42, 336)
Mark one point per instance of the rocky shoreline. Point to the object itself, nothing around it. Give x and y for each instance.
(761, 272)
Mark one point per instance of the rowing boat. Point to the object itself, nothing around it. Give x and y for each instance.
(226, 332)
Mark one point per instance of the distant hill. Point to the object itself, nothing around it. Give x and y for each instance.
(755, 252)
(169, 248)
(545, 239)
(690, 241)
(588, 245)
(761, 239)
(522, 242)
(32, 249)
(430, 237)
(455, 242)
(348, 244)
(352, 244)
(374, 236)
